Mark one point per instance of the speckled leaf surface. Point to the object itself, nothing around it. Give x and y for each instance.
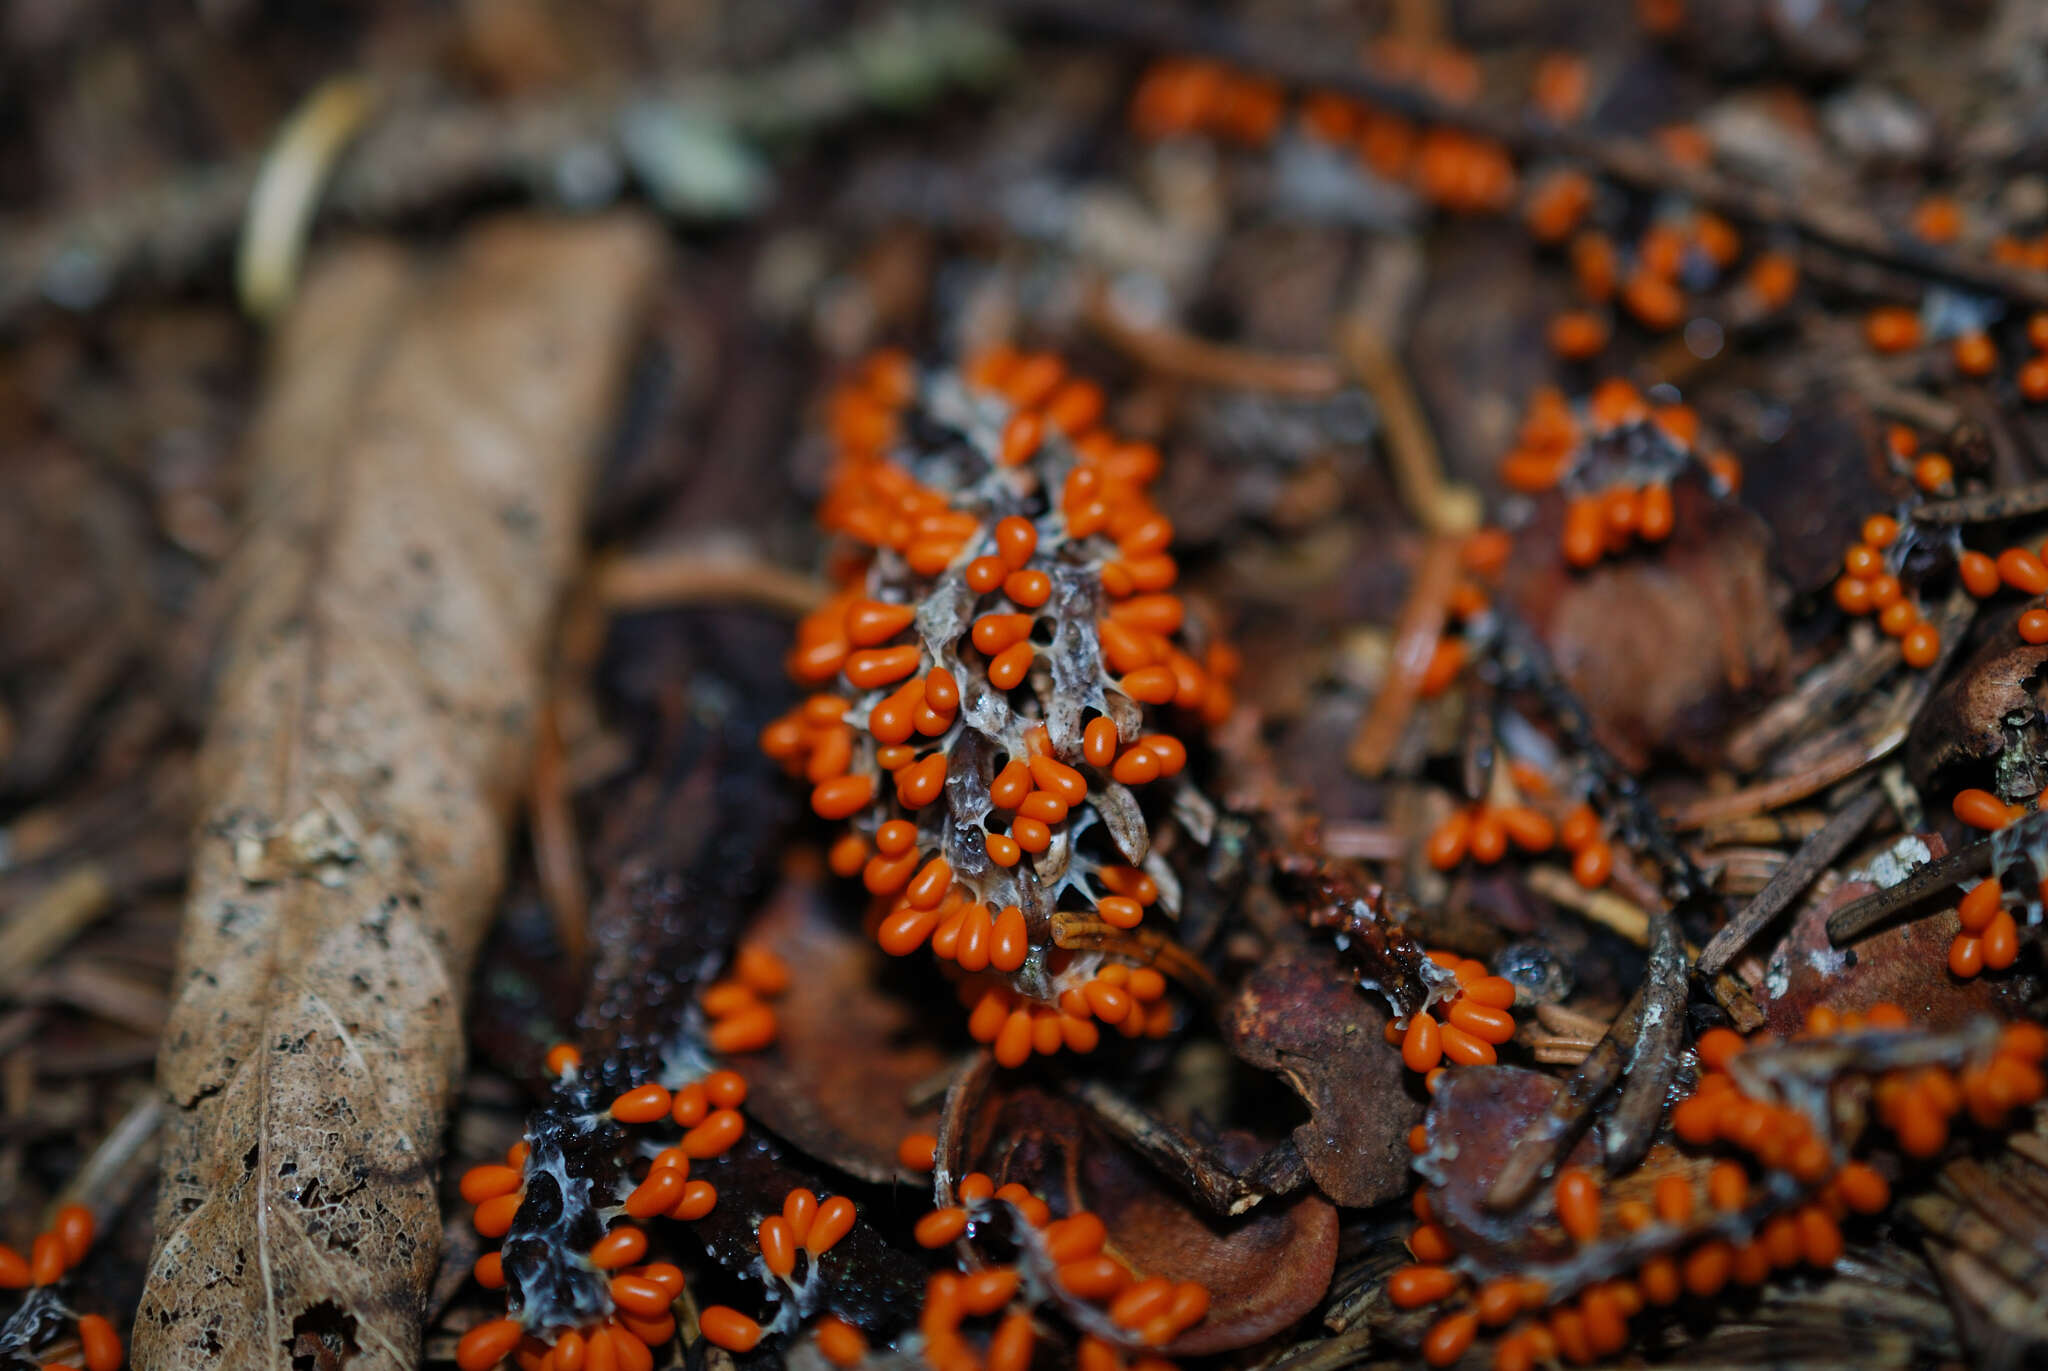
(415, 500)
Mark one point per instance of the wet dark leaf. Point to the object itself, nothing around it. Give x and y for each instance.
(1815, 505)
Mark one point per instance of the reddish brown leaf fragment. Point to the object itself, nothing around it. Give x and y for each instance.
(837, 1081)
(1263, 1271)
(1303, 1016)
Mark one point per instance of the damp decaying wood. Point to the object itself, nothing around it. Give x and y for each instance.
(418, 468)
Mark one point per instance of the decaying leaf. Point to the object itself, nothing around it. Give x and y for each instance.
(1302, 1016)
(1477, 1115)
(1816, 506)
(1263, 1270)
(838, 1080)
(419, 468)
(1663, 649)
(1474, 1120)
(1905, 964)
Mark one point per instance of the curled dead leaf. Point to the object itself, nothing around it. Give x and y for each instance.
(1474, 1119)
(1989, 710)
(1302, 1015)
(1263, 1270)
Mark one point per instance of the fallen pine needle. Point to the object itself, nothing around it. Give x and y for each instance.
(666, 580)
(1439, 505)
(1170, 352)
(1415, 638)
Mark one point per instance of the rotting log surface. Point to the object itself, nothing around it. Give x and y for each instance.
(418, 472)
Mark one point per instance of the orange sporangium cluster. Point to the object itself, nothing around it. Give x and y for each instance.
(1682, 253)
(1184, 95)
(1483, 832)
(1990, 936)
(1972, 353)
(1477, 1017)
(1779, 1203)
(1593, 1324)
(1648, 281)
(740, 1021)
(1152, 1311)
(1130, 999)
(707, 1113)
(1452, 169)
(55, 1251)
(2017, 568)
(1917, 1104)
(1006, 647)
(2032, 378)
(1990, 940)
(1932, 472)
(1920, 1105)
(1869, 584)
(1898, 328)
(1615, 456)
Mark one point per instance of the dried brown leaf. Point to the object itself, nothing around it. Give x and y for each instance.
(420, 464)
(1303, 1016)
(1264, 1270)
(1992, 702)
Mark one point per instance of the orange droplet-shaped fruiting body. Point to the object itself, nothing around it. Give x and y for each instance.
(1077, 547)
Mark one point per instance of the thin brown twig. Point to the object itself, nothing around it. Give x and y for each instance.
(1170, 352)
(1632, 921)
(1845, 675)
(666, 580)
(1883, 736)
(557, 854)
(1612, 912)
(1422, 622)
(1570, 1023)
(1439, 505)
(1363, 842)
(1859, 916)
(1795, 826)
(64, 909)
(1987, 507)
